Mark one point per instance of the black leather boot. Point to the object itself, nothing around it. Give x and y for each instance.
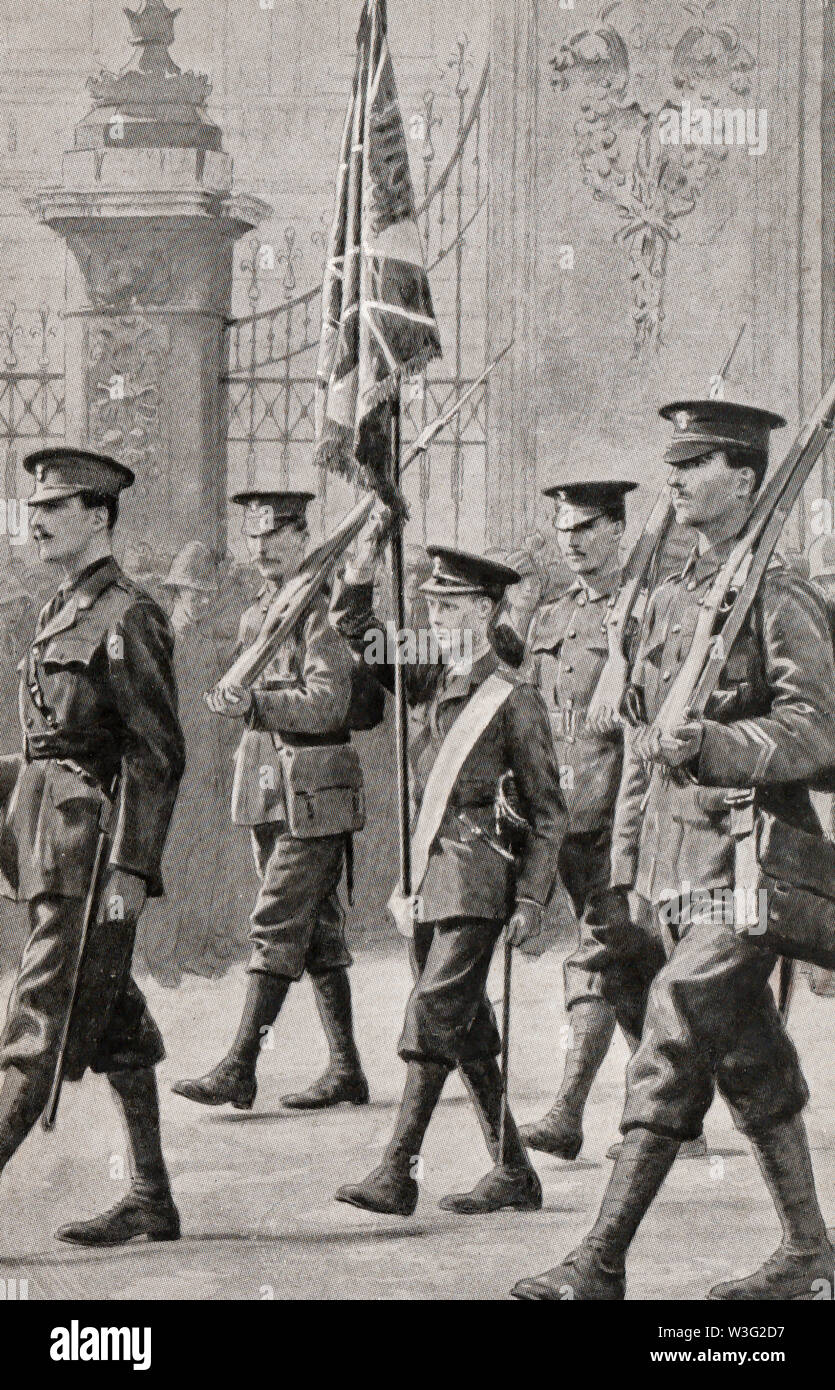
(343, 1078)
(560, 1131)
(581, 1276)
(232, 1081)
(805, 1260)
(22, 1099)
(148, 1208)
(513, 1181)
(595, 1271)
(134, 1216)
(391, 1189)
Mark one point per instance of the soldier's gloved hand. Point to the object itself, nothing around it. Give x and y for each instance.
(526, 923)
(233, 701)
(123, 897)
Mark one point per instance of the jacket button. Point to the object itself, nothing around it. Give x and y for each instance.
(676, 627)
(691, 585)
(666, 676)
(569, 670)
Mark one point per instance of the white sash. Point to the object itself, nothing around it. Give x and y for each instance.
(459, 743)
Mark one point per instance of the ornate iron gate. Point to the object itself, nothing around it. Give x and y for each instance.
(31, 397)
(271, 353)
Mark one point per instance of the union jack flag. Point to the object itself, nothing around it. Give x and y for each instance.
(378, 322)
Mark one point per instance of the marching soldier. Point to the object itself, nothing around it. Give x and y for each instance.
(102, 743)
(298, 788)
(567, 649)
(474, 726)
(709, 1017)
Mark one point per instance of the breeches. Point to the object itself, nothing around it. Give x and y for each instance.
(449, 1018)
(112, 1027)
(709, 1020)
(584, 867)
(297, 923)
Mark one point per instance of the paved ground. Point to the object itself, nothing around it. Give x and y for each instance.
(255, 1190)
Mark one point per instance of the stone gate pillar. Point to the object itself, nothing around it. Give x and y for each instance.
(147, 211)
(511, 270)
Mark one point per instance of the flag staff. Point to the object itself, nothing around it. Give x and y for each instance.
(401, 710)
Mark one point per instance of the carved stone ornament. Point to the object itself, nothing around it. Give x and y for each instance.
(126, 371)
(633, 85)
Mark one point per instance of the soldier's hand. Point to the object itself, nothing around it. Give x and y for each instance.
(605, 720)
(682, 744)
(233, 701)
(526, 923)
(123, 897)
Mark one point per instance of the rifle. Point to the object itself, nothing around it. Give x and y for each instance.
(735, 586)
(91, 904)
(295, 599)
(611, 686)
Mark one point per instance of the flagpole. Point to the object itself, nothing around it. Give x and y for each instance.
(401, 709)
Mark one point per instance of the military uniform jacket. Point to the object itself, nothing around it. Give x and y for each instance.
(465, 878)
(567, 649)
(302, 699)
(770, 726)
(97, 697)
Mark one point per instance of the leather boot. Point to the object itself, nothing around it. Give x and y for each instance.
(148, 1208)
(390, 1189)
(22, 1099)
(560, 1131)
(343, 1079)
(805, 1259)
(595, 1271)
(132, 1217)
(513, 1181)
(580, 1276)
(232, 1081)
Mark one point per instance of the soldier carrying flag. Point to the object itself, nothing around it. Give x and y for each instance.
(477, 725)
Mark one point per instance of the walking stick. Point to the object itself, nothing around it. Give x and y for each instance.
(504, 812)
(508, 966)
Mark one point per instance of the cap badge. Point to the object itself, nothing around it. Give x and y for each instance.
(682, 419)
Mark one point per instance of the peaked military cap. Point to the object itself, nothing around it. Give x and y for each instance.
(702, 426)
(458, 572)
(267, 510)
(604, 494)
(63, 471)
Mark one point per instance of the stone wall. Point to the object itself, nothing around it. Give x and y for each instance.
(647, 257)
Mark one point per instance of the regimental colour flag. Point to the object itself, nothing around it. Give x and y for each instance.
(378, 323)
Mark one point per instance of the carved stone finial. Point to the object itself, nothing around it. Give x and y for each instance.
(157, 104)
(152, 27)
